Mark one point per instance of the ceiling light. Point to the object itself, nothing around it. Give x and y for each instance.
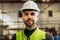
(43, 0)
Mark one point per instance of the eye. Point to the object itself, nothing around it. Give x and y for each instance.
(26, 13)
(32, 14)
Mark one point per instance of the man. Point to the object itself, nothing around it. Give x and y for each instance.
(30, 12)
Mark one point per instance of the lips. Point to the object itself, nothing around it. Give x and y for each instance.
(29, 22)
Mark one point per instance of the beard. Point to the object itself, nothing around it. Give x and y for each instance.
(29, 23)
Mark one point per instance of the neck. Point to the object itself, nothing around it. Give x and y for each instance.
(31, 28)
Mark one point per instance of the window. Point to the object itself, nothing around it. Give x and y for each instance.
(50, 13)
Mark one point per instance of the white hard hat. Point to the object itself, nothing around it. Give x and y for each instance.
(30, 5)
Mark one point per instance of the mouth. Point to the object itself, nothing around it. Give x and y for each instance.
(29, 23)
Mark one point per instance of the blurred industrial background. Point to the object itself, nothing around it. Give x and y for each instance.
(10, 22)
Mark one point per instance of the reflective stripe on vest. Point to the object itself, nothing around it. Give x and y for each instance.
(36, 35)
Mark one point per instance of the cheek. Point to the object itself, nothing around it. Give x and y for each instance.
(24, 18)
(35, 18)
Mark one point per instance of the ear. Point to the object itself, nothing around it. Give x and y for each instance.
(37, 17)
(19, 14)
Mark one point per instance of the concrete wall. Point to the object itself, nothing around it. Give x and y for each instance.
(11, 16)
(53, 21)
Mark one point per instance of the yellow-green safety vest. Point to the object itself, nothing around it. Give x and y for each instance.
(36, 35)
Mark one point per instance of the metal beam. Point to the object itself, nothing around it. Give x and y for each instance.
(25, 1)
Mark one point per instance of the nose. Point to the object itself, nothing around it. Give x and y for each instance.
(29, 16)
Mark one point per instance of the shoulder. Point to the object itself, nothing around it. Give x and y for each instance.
(14, 37)
(49, 36)
(18, 33)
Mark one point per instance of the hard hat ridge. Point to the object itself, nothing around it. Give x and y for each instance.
(30, 5)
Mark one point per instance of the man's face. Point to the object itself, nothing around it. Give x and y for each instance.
(29, 17)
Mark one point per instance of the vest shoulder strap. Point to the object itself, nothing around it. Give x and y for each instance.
(42, 34)
(19, 35)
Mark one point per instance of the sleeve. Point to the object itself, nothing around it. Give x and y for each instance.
(49, 36)
(14, 37)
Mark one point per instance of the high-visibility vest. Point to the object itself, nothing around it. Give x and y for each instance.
(36, 35)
